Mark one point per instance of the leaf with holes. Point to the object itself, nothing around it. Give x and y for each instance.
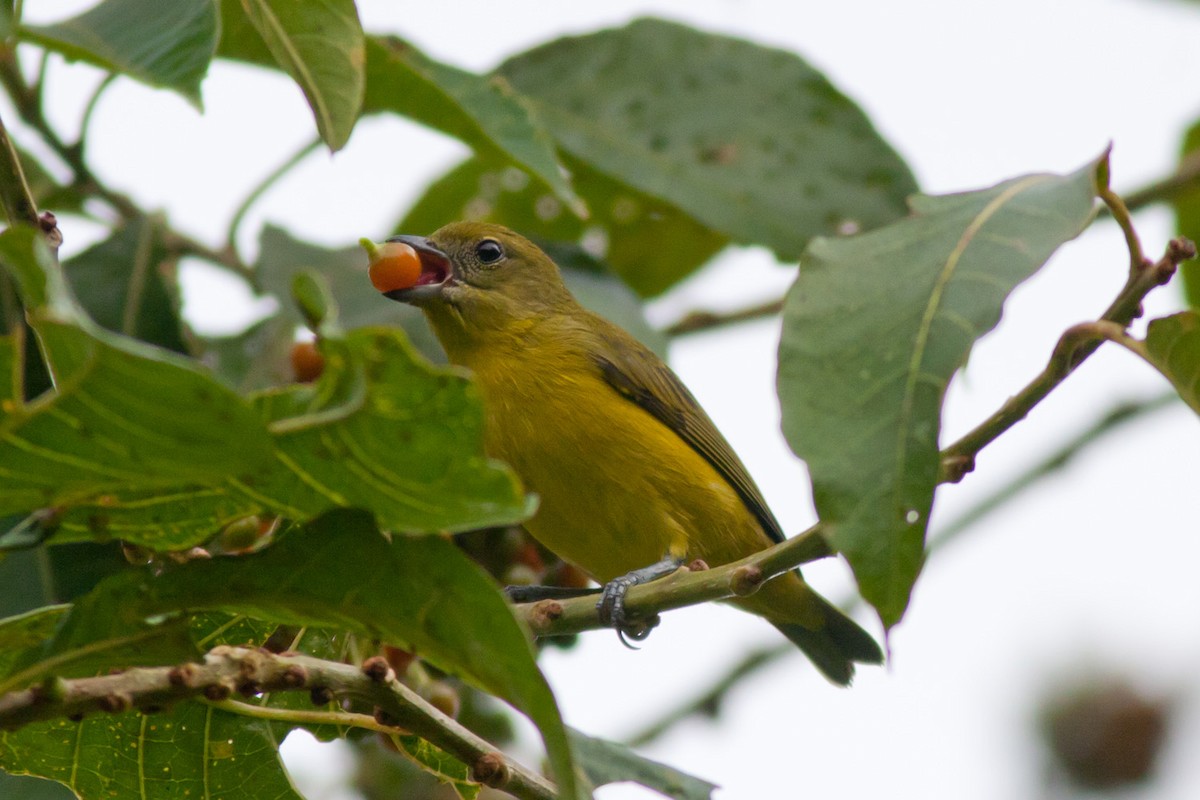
(161, 44)
(874, 328)
(752, 142)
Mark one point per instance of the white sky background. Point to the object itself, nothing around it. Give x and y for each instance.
(1092, 571)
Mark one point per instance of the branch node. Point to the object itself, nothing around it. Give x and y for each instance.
(218, 691)
(294, 676)
(385, 718)
(115, 703)
(320, 695)
(378, 669)
(490, 769)
(746, 580)
(697, 565)
(543, 614)
(183, 676)
(956, 467)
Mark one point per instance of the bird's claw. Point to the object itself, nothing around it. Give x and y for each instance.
(611, 609)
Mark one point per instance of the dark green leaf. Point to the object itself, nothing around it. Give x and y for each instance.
(320, 44)
(420, 593)
(161, 44)
(10, 375)
(123, 414)
(608, 762)
(484, 113)
(750, 141)
(649, 243)
(24, 632)
(1187, 218)
(190, 751)
(127, 284)
(874, 328)
(1172, 346)
(23, 787)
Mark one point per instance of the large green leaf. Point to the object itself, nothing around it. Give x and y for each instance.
(167, 44)
(1172, 346)
(127, 284)
(651, 244)
(122, 414)
(320, 44)
(874, 328)
(421, 593)
(482, 112)
(190, 751)
(752, 142)
(1187, 217)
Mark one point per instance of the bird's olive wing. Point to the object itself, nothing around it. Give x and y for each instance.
(642, 378)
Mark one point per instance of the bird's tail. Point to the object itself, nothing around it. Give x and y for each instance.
(835, 646)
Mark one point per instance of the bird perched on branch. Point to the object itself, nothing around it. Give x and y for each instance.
(633, 476)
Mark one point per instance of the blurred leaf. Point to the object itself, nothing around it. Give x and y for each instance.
(127, 284)
(649, 243)
(123, 414)
(750, 141)
(1172, 346)
(190, 751)
(161, 44)
(10, 374)
(319, 44)
(256, 358)
(607, 762)
(23, 787)
(1187, 218)
(484, 113)
(48, 193)
(26, 631)
(420, 593)
(874, 328)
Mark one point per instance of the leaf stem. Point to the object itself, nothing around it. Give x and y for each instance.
(266, 183)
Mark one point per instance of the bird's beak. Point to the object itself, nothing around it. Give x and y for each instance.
(437, 272)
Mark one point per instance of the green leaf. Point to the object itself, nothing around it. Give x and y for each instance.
(484, 113)
(382, 430)
(127, 284)
(191, 751)
(420, 593)
(168, 45)
(607, 762)
(11, 374)
(873, 330)
(1172, 346)
(122, 415)
(23, 787)
(651, 244)
(320, 44)
(752, 142)
(1187, 217)
(24, 632)
(439, 763)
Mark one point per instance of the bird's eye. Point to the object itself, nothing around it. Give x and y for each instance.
(489, 251)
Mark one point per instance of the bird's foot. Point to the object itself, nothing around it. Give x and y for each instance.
(611, 606)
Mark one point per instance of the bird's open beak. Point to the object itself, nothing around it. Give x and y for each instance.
(437, 272)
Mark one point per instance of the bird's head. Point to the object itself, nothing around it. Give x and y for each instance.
(480, 276)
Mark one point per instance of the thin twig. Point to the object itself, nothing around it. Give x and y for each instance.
(266, 183)
(707, 702)
(252, 671)
(1075, 346)
(698, 321)
(683, 588)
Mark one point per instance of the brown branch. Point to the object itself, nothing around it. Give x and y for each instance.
(686, 587)
(698, 321)
(247, 671)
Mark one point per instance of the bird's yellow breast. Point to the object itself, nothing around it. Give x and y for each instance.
(618, 489)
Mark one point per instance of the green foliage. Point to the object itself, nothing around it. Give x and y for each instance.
(633, 156)
(1187, 216)
(753, 143)
(874, 328)
(161, 44)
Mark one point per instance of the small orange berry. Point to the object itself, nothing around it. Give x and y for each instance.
(394, 265)
(307, 362)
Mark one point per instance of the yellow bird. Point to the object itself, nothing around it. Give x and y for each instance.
(633, 476)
